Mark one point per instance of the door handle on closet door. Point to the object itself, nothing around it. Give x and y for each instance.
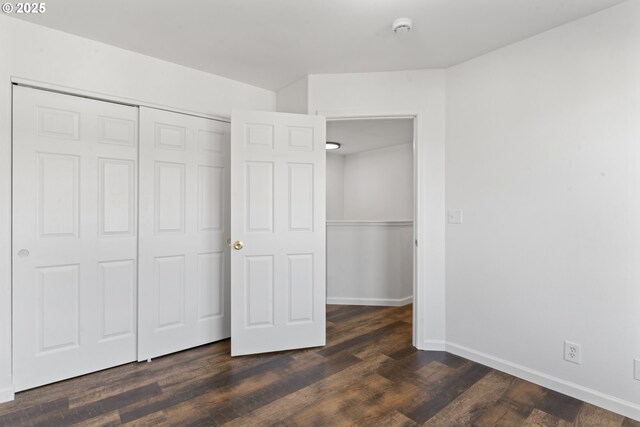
(23, 253)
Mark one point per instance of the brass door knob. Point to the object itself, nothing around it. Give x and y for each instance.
(238, 245)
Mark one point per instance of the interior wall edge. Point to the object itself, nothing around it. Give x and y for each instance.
(594, 397)
(293, 98)
(432, 345)
(7, 395)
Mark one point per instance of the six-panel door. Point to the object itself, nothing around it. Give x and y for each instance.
(184, 226)
(74, 236)
(278, 214)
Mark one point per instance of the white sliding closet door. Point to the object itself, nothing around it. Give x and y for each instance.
(184, 225)
(74, 236)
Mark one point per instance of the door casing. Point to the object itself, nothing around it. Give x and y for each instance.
(418, 232)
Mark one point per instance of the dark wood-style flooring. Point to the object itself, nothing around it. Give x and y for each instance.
(368, 374)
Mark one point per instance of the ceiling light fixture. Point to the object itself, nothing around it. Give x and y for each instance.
(402, 25)
(332, 145)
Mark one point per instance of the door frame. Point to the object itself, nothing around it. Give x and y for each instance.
(99, 96)
(418, 231)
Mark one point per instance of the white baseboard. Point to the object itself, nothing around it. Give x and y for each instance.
(7, 395)
(370, 301)
(623, 407)
(433, 345)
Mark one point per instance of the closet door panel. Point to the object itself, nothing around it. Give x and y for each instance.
(184, 272)
(74, 236)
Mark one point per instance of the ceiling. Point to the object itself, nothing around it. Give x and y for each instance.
(272, 43)
(368, 134)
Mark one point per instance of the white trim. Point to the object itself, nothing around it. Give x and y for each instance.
(418, 234)
(365, 223)
(371, 301)
(7, 395)
(367, 114)
(433, 345)
(372, 117)
(114, 99)
(623, 407)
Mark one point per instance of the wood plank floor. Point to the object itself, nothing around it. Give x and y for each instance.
(368, 374)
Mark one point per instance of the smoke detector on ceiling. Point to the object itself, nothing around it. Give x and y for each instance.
(402, 25)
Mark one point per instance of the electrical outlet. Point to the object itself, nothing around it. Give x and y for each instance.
(572, 352)
(636, 369)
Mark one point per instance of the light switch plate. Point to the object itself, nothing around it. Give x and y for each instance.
(454, 216)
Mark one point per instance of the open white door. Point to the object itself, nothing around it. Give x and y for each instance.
(278, 231)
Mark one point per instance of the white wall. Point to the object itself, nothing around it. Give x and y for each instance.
(335, 186)
(422, 92)
(294, 97)
(378, 184)
(37, 53)
(370, 252)
(371, 185)
(543, 156)
(370, 263)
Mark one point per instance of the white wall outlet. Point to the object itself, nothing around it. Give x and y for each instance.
(636, 369)
(572, 352)
(454, 216)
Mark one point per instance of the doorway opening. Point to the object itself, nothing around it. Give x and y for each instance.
(370, 218)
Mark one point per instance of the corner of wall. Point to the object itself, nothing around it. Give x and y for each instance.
(294, 98)
(7, 395)
(433, 345)
(594, 397)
